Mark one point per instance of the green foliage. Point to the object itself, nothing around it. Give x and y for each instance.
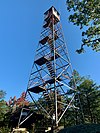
(89, 93)
(86, 15)
(3, 106)
(4, 129)
(3, 110)
(77, 78)
(2, 94)
(87, 102)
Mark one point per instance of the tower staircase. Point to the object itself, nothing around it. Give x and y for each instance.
(50, 69)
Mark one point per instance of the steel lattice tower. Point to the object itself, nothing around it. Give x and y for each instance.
(51, 71)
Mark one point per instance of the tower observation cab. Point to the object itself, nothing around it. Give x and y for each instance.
(52, 13)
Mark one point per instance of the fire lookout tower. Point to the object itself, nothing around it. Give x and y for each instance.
(51, 71)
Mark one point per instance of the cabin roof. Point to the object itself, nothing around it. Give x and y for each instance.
(50, 9)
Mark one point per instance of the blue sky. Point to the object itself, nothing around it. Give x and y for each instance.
(20, 26)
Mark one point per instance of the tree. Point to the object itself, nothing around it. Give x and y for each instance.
(86, 15)
(3, 110)
(15, 106)
(2, 94)
(3, 107)
(74, 115)
(15, 103)
(87, 101)
(89, 97)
